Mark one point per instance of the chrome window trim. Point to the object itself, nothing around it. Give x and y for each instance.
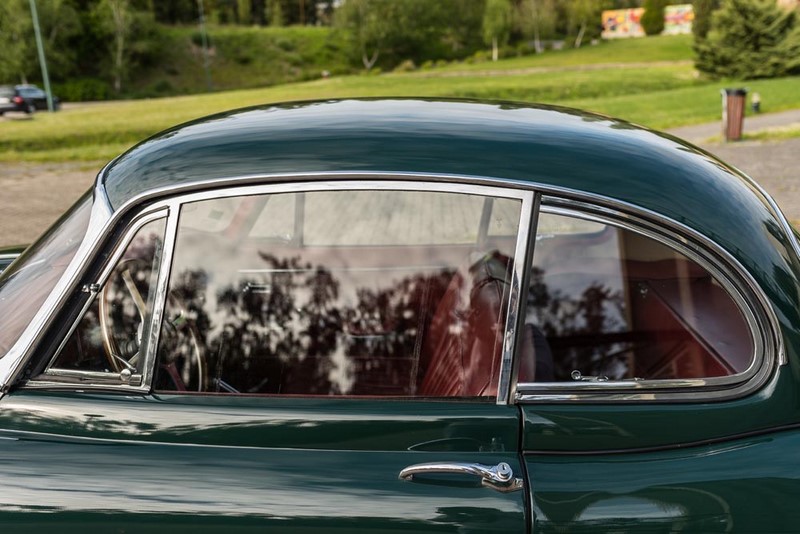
(300, 183)
(525, 197)
(135, 381)
(726, 270)
(104, 218)
(519, 313)
(14, 361)
(510, 334)
(160, 300)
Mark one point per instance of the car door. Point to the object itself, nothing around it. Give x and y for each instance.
(317, 357)
(638, 393)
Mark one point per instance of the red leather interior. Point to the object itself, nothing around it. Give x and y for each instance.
(464, 346)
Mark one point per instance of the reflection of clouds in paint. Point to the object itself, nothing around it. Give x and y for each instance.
(341, 375)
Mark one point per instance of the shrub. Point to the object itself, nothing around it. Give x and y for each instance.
(750, 39)
(406, 66)
(82, 90)
(653, 17)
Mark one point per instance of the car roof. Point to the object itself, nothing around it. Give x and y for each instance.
(509, 142)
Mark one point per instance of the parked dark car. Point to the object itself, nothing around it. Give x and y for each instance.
(24, 98)
(406, 315)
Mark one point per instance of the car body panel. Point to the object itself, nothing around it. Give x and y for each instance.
(732, 486)
(585, 428)
(308, 464)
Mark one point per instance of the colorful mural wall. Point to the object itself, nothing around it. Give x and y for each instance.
(622, 23)
(678, 19)
(626, 22)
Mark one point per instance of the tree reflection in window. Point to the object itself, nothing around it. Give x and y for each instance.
(286, 318)
(109, 336)
(610, 303)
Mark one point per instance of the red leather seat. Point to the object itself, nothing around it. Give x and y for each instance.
(463, 349)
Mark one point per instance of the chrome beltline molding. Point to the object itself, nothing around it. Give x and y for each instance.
(103, 219)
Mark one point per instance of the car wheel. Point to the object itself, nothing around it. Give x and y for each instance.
(30, 109)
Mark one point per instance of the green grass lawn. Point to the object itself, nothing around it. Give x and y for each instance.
(790, 131)
(612, 78)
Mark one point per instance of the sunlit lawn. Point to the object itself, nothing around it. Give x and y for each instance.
(659, 96)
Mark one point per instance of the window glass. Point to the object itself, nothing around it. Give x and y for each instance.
(504, 213)
(376, 293)
(26, 284)
(109, 336)
(610, 303)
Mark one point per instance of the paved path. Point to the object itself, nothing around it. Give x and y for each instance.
(773, 164)
(701, 132)
(32, 196)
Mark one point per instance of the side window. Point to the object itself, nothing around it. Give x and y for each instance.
(108, 337)
(374, 293)
(605, 302)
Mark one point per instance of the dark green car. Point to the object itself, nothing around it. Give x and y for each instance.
(405, 315)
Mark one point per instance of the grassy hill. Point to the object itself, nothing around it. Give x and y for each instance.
(649, 81)
(241, 58)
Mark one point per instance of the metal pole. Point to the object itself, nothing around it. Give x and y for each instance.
(204, 38)
(42, 61)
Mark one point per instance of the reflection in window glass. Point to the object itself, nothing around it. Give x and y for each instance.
(402, 218)
(504, 214)
(26, 284)
(611, 303)
(109, 336)
(388, 293)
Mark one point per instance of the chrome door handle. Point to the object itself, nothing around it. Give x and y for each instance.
(499, 477)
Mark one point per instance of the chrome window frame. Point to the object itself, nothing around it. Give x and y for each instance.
(104, 218)
(300, 183)
(737, 282)
(54, 377)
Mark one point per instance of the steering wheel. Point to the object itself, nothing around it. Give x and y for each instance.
(122, 316)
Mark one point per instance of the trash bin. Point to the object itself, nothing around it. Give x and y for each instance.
(733, 103)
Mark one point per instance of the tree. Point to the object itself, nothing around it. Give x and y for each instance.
(750, 39)
(59, 23)
(175, 11)
(367, 28)
(115, 19)
(15, 40)
(582, 15)
(702, 17)
(537, 19)
(496, 24)
(653, 17)
(388, 33)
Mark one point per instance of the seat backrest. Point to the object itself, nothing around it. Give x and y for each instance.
(463, 348)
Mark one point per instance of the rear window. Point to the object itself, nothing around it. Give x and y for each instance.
(607, 303)
(6, 90)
